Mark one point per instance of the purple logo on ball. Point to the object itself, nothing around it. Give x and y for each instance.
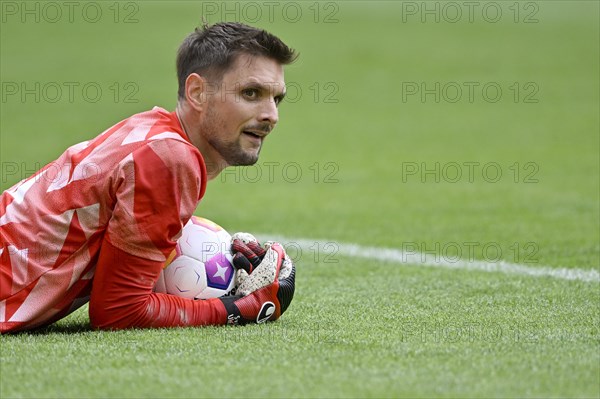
(219, 272)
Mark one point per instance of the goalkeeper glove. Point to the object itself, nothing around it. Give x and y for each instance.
(265, 278)
(256, 266)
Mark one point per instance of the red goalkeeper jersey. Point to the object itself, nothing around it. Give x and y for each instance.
(100, 221)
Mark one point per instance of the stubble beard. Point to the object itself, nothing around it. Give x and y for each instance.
(231, 151)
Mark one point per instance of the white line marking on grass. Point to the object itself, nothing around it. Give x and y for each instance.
(416, 258)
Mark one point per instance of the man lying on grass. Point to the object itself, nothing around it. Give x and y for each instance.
(98, 223)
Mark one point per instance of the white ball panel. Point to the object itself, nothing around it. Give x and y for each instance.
(185, 277)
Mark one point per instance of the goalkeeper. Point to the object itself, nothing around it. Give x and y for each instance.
(98, 223)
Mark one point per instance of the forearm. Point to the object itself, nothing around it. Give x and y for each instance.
(122, 296)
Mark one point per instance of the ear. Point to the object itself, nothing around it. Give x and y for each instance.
(196, 90)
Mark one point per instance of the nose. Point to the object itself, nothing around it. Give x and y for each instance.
(269, 113)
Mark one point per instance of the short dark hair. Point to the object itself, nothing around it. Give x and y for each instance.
(211, 50)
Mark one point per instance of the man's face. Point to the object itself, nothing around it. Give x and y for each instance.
(242, 110)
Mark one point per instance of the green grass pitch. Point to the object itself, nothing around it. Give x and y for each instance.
(426, 127)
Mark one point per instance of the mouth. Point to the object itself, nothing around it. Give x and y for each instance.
(253, 134)
(255, 137)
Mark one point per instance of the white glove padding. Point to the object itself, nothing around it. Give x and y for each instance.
(246, 238)
(271, 263)
(286, 267)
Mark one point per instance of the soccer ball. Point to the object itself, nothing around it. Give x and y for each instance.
(200, 266)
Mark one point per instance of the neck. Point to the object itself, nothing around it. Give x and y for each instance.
(191, 126)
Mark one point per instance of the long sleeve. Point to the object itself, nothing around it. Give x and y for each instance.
(122, 296)
(156, 190)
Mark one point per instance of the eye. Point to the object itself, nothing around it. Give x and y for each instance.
(251, 94)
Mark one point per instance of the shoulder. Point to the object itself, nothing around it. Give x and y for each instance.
(155, 151)
(168, 161)
(175, 154)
